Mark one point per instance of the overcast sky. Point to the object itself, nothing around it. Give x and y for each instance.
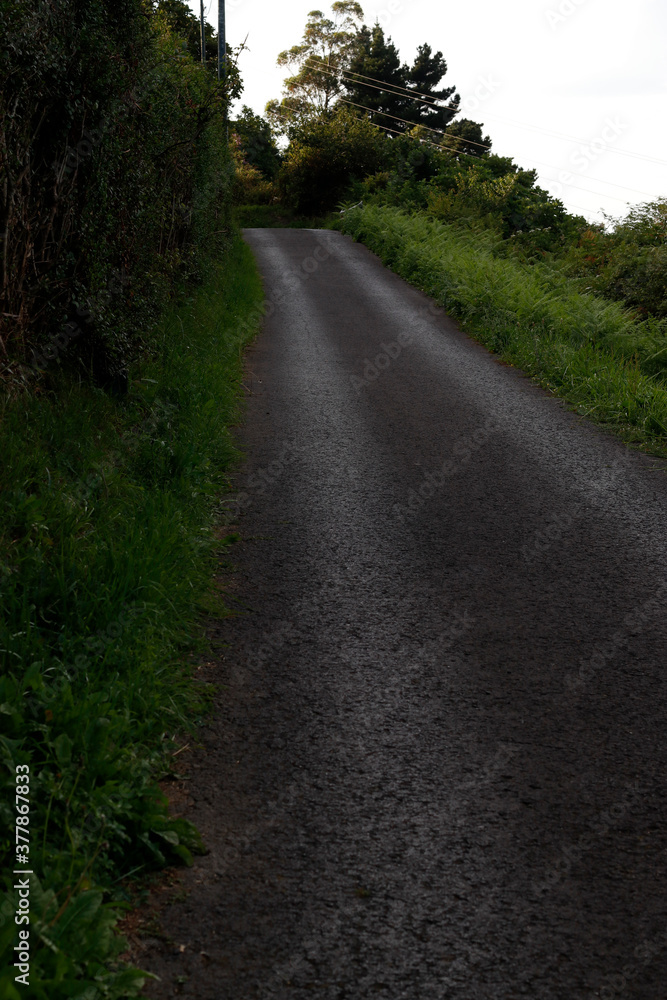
(593, 71)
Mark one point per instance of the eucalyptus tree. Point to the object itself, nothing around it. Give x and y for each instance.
(316, 64)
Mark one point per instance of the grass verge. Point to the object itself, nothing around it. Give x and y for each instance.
(592, 352)
(107, 549)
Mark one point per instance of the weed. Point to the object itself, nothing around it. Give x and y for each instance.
(107, 551)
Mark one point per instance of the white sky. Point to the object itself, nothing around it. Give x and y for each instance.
(594, 71)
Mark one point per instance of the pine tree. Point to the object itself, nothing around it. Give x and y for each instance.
(377, 57)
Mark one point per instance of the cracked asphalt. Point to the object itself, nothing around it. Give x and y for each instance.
(436, 766)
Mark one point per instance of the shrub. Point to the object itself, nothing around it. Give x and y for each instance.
(628, 262)
(326, 153)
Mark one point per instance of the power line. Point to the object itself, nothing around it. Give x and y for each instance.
(551, 166)
(531, 128)
(444, 148)
(598, 180)
(386, 128)
(288, 118)
(373, 111)
(397, 90)
(385, 88)
(454, 149)
(386, 114)
(572, 138)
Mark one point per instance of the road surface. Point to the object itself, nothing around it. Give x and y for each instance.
(437, 764)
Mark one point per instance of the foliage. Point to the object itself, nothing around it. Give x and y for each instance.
(116, 180)
(107, 548)
(629, 261)
(491, 191)
(327, 151)
(186, 25)
(466, 136)
(257, 143)
(588, 350)
(315, 64)
(392, 108)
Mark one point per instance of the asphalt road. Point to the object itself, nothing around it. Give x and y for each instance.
(437, 764)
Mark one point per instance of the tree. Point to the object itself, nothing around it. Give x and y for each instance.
(257, 143)
(182, 22)
(466, 137)
(377, 58)
(327, 151)
(316, 64)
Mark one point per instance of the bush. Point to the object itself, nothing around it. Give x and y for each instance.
(326, 153)
(628, 262)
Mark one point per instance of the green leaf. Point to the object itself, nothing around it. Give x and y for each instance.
(63, 748)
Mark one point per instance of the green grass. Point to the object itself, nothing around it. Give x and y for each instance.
(590, 351)
(107, 550)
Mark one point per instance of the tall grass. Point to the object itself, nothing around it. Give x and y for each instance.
(591, 351)
(107, 549)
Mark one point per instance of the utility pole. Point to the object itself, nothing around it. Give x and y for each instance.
(222, 42)
(203, 34)
(222, 54)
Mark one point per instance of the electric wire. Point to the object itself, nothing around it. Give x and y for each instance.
(394, 88)
(551, 166)
(386, 114)
(510, 121)
(442, 147)
(440, 131)
(386, 128)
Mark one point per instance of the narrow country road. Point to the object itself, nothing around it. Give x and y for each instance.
(437, 765)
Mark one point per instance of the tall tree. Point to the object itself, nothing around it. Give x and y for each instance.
(315, 65)
(377, 58)
(424, 75)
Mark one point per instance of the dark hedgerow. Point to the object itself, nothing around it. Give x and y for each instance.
(111, 147)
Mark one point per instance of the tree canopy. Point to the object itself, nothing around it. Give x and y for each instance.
(342, 61)
(325, 50)
(375, 58)
(183, 22)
